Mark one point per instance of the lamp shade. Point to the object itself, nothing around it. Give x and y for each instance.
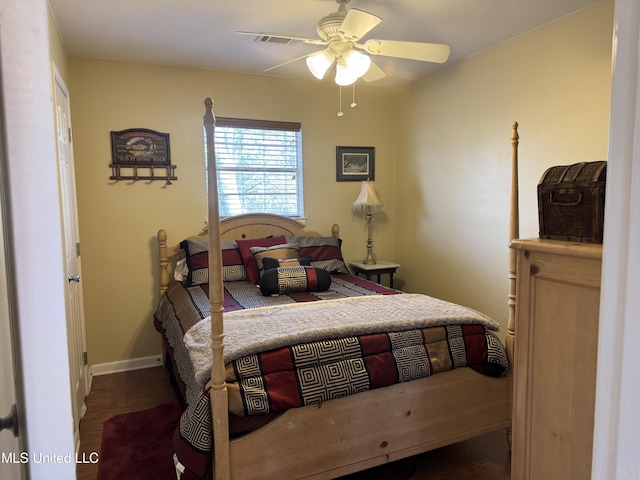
(319, 63)
(344, 75)
(368, 201)
(350, 67)
(358, 62)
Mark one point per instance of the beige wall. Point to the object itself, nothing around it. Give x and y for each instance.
(449, 132)
(453, 179)
(118, 221)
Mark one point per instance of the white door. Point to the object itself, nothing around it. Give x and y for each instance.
(9, 442)
(80, 379)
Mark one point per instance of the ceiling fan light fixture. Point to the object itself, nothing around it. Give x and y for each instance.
(340, 33)
(358, 62)
(351, 66)
(344, 75)
(319, 63)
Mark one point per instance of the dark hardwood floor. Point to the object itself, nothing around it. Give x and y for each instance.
(115, 394)
(483, 458)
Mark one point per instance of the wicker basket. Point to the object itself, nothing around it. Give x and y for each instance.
(571, 202)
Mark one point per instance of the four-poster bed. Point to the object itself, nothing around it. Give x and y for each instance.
(344, 432)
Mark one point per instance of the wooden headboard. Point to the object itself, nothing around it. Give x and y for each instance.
(251, 225)
(258, 225)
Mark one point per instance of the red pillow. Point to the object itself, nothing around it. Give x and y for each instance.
(247, 257)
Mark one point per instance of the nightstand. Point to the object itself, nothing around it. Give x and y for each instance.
(379, 268)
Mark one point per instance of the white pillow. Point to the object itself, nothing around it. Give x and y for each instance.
(181, 271)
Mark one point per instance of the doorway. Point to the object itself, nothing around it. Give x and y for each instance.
(78, 364)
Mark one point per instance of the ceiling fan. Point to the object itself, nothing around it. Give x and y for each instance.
(341, 32)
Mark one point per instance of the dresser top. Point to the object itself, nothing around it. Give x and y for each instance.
(587, 250)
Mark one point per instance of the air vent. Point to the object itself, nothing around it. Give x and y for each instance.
(280, 40)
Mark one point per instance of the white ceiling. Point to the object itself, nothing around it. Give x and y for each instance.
(201, 33)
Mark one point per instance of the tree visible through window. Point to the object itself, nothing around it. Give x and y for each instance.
(259, 166)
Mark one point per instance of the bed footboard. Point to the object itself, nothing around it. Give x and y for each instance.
(338, 437)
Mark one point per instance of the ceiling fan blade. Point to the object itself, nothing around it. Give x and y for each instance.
(374, 73)
(286, 63)
(268, 36)
(425, 52)
(358, 23)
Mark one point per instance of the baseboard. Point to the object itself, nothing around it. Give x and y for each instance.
(126, 365)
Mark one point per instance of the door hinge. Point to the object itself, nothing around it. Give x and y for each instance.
(85, 358)
(78, 249)
(70, 135)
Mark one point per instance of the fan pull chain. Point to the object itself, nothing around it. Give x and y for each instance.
(340, 112)
(353, 102)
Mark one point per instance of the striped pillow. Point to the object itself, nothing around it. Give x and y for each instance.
(247, 257)
(268, 262)
(325, 252)
(197, 258)
(286, 251)
(284, 280)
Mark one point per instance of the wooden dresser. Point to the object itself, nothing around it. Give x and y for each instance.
(557, 306)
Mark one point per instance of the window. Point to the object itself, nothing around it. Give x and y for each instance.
(259, 166)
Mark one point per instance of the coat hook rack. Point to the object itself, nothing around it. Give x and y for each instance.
(141, 154)
(143, 172)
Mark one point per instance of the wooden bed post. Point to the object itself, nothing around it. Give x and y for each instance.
(514, 232)
(218, 393)
(163, 260)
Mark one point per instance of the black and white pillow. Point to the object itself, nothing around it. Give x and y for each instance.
(283, 280)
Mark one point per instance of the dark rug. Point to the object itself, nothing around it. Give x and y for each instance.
(138, 445)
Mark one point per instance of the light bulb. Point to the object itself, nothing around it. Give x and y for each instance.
(344, 75)
(319, 63)
(357, 62)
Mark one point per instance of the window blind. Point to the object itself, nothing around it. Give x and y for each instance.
(259, 166)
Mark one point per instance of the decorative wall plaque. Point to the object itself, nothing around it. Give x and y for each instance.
(141, 154)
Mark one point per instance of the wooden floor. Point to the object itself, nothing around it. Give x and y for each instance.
(482, 458)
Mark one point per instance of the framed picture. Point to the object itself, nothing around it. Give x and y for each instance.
(355, 164)
(140, 146)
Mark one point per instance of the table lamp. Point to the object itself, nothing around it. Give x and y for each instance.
(368, 204)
